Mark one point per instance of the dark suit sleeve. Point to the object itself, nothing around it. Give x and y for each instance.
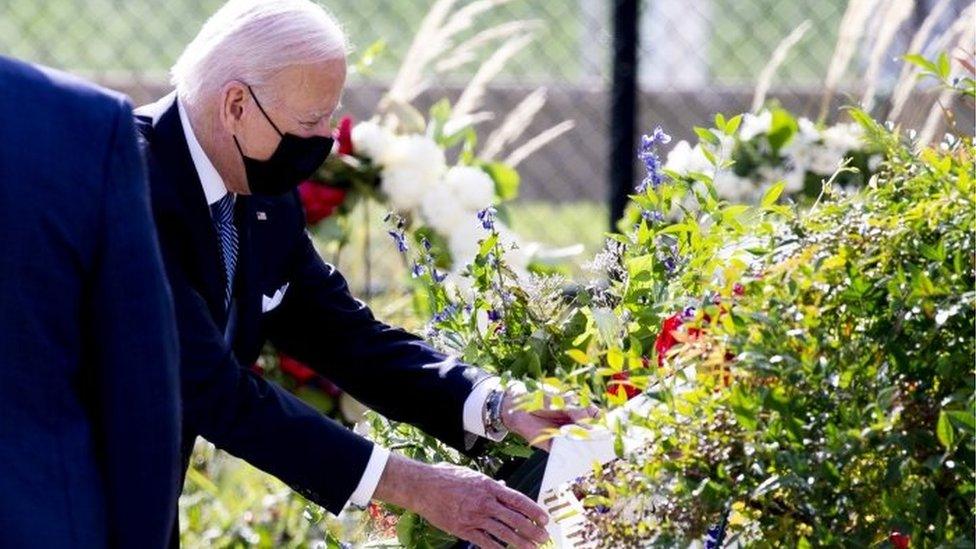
(259, 421)
(388, 369)
(134, 346)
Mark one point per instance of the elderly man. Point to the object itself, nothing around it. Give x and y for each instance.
(249, 120)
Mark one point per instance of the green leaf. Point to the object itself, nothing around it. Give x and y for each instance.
(772, 195)
(943, 66)
(944, 431)
(506, 179)
(921, 62)
(405, 527)
(782, 129)
(720, 122)
(733, 124)
(488, 244)
(707, 136)
(578, 356)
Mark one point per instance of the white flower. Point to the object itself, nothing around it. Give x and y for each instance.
(874, 162)
(414, 164)
(371, 140)
(405, 187)
(417, 152)
(732, 187)
(824, 160)
(685, 159)
(474, 189)
(442, 209)
(463, 241)
(753, 125)
(843, 137)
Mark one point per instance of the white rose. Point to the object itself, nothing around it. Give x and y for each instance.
(413, 164)
(371, 140)
(405, 187)
(441, 208)
(474, 189)
(416, 152)
(753, 125)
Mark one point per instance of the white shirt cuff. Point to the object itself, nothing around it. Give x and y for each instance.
(474, 407)
(363, 493)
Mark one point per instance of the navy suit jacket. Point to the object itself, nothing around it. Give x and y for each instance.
(318, 322)
(89, 417)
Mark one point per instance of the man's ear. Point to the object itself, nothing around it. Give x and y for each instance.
(233, 97)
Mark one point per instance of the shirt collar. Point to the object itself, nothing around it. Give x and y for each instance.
(213, 185)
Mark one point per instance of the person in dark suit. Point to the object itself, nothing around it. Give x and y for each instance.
(250, 119)
(89, 409)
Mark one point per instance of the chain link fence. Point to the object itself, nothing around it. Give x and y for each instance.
(696, 58)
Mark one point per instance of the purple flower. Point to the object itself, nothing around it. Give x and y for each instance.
(438, 276)
(652, 163)
(445, 314)
(418, 270)
(400, 239)
(487, 218)
(426, 243)
(652, 216)
(494, 315)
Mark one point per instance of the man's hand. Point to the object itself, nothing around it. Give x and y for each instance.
(464, 503)
(530, 425)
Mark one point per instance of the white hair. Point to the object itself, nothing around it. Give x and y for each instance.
(251, 40)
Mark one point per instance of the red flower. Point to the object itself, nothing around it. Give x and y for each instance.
(899, 540)
(622, 379)
(344, 135)
(666, 340)
(296, 369)
(738, 290)
(319, 200)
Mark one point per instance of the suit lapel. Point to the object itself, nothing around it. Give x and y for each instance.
(201, 243)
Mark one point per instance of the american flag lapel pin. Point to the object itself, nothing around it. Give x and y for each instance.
(262, 216)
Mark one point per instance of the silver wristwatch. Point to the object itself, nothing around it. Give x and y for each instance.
(492, 415)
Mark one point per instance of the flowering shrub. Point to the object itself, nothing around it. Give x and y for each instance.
(831, 400)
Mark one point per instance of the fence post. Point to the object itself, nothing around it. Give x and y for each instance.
(623, 106)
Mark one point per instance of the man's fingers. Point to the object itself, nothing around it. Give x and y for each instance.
(481, 539)
(522, 504)
(525, 527)
(508, 535)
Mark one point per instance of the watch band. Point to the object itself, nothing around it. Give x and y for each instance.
(493, 413)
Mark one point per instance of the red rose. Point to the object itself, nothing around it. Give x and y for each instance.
(344, 135)
(295, 369)
(899, 540)
(622, 379)
(319, 200)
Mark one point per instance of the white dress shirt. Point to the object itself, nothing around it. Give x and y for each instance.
(214, 189)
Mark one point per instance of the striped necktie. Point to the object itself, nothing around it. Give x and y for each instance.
(223, 218)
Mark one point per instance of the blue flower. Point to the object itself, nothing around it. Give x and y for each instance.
(445, 314)
(426, 243)
(418, 270)
(438, 276)
(494, 315)
(652, 216)
(400, 239)
(487, 218)
(652, 163)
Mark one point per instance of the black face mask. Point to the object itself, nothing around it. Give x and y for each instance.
(293, 161)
